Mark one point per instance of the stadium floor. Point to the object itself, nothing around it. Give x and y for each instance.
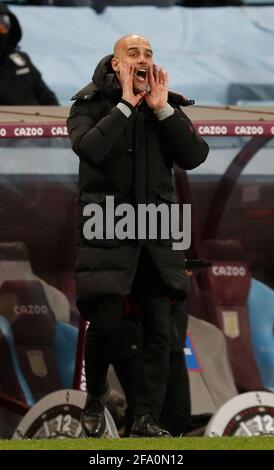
(186, 443)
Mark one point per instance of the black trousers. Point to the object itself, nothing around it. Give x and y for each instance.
(105, 314)
(176, 408)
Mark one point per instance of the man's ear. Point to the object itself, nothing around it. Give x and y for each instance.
(115, 64)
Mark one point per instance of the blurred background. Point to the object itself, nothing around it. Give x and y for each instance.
(219, 53)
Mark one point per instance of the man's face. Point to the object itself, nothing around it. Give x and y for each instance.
(4, 24)
(137, 52)
(4, 33)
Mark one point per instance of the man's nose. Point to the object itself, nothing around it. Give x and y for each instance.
(143, 60)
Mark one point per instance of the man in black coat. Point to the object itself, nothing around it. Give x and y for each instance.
(20, 82)
(128, 130)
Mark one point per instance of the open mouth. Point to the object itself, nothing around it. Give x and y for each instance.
(141, 74)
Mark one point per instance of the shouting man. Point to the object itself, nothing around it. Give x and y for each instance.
(128, 130)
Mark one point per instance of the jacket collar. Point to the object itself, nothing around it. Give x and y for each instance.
(104, 81)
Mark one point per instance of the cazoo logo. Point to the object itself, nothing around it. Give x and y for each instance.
(212, 130)
(229, 271)
(249, 130)
(30, 309)
(59, 130)
(28, 131)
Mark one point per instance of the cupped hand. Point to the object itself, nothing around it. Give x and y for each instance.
(157, 97)
(126, 77)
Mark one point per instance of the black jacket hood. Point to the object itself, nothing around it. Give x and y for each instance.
(104, 80)
(15, 34)
(103, 74)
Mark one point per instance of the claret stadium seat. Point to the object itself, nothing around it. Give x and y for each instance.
(229, 281)
(37, 344)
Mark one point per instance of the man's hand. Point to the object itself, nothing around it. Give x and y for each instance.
(157, 97)
(126, 77)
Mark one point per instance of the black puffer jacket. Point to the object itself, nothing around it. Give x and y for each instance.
(20, 82)
(132, 159)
